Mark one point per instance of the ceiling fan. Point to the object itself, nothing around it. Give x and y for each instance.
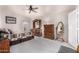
(32, 9)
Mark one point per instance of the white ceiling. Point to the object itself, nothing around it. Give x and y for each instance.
(43, 9)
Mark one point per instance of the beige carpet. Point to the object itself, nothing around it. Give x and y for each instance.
(38, 45)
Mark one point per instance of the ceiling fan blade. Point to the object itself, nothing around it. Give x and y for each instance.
(35, 8)
(34, 11)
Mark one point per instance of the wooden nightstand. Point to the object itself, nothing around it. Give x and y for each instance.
(4, 46)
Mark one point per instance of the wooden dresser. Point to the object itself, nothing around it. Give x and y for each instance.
(49, 31)
(4, 46)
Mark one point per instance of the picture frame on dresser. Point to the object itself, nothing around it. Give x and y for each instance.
(10, 20)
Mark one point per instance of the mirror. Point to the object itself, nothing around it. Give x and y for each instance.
(60, 31)
(37, 23)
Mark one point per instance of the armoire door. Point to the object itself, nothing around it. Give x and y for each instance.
(49, 31)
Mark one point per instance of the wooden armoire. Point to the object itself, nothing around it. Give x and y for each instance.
(49, 31)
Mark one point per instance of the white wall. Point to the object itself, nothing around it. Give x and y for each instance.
(16, 28)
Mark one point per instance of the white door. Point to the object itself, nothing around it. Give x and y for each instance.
(78, 22)
(72, 27)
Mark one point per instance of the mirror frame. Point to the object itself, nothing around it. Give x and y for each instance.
(62, 28)
(60, 35)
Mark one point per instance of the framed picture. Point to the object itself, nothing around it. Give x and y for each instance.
(10, 20)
